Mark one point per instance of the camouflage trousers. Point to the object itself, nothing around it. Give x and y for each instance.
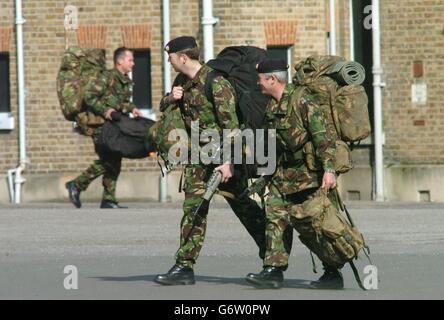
(193, 227)
(280, 210)
(108, 166)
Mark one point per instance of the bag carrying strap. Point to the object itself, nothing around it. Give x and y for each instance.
(313, 262)
(366, 249)
(226, 194)
(166, 168)
(181, 181)
(160, 166)
(358, 279)
(181, 80)
(343, 208)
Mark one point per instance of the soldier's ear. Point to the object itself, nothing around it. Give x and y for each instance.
(274, 78)
(119, 61)
(183, 58)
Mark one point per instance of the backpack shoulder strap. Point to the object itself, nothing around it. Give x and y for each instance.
(296, 96)
(213, 74)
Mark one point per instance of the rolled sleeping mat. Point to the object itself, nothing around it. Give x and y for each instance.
(348, 72)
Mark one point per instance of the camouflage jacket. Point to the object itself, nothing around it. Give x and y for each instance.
(296, 123)
(196, 106)
(111, 90)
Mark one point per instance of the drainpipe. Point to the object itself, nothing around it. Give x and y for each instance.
(163, 183)
(377, 94)
(11, 184)
(208, 21)
(352, 31)
(15, 178)
(332, 28)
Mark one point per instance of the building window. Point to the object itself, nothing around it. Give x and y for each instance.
(363, 48)
(5, 98)
(141, 76)
(281, 52)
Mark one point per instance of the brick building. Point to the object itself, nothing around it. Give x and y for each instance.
(412, 56)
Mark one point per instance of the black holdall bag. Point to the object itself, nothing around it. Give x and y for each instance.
(127, 136)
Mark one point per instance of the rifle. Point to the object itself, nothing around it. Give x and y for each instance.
(212, 185)
(256, 187)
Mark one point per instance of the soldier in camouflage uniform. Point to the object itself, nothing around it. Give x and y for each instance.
(111, 92)
(298, 119)
(183, 55)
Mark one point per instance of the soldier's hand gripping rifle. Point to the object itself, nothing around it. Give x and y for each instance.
(212, 185)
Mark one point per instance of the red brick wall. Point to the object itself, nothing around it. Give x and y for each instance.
(242, 22)
(412, 30)
(9, 140)
(51, 145)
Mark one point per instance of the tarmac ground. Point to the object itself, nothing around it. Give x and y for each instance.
(117, 253)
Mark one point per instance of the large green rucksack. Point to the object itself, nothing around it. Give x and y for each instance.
(78, 68)
(336, 85)
(339, 82)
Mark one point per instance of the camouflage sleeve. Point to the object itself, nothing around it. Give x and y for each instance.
(127, 106)
(111, 101)
(164, 103)
(225, 103)
(180, 80)
(323, 142)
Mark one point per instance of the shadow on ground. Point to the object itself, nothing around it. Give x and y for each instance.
(288, 283)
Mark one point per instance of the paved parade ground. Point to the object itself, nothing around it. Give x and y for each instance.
(117, 253)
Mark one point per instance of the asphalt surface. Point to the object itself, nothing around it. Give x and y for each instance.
(117, 254)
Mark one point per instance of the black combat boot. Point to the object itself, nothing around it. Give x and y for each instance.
(74, 193)
(177, 275)
(331, 279)
(269, 277)
(111, 205)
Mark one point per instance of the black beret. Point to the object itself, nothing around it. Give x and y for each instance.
(180, 43)
(271, 65)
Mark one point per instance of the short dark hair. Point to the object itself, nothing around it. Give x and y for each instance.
(120, 53)
(193, 53)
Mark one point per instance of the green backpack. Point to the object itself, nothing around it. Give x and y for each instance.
(338, 83)
(79, 67)
(325, 231)
(170, 120)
